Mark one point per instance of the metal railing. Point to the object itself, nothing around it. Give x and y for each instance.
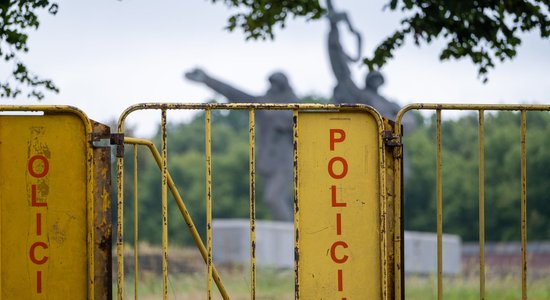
(481, 109)
(161, 159)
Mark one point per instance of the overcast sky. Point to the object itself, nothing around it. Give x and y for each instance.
(106, 55)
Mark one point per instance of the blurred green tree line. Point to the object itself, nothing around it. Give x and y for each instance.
(230, 176)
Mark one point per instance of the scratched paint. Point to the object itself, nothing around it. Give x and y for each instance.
(43, 195)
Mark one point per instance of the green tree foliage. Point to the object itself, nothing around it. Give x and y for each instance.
(16, 19)
(483, 30)
(460, 177)
(261, 16)
(186, 148)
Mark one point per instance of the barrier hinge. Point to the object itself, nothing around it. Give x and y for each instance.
(393, 141)
(117, 139)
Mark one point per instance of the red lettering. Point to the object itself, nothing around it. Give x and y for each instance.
(337, 260)
(32, 253)
(38, 282)
(339, 224)
(39, 224)
(45, 162)
(338, 172)
(344, 171)
(340, 281)
(334, 140)
(34, 200)
(334, 201)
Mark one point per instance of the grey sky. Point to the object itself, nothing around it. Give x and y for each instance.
(106, 55)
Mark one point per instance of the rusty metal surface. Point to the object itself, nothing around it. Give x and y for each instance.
(120, 226)
(208, 147)
(102, 212)
(252, 192)
(393, 276)
(296, 206)
(164, 172)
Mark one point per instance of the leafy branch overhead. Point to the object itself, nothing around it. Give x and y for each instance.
(261, 16)
(483, 30)
(16, 19)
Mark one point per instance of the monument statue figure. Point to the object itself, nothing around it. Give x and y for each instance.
(346, 91)
(273, 137)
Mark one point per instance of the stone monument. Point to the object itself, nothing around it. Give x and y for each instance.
(346, 91)
(274, 137)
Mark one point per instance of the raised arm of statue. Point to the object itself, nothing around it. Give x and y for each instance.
(338, 58)
(232, 94)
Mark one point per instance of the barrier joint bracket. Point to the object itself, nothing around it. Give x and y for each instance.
(117, 139)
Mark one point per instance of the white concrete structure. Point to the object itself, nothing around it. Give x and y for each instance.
(421, 253)
(275, 246)
(274, 242)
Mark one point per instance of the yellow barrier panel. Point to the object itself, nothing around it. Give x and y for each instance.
(46, 197)
(339, 225)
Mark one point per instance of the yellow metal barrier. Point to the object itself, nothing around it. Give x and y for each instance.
(387, 220)
(54, 192)
(389, 267)
(481, 109)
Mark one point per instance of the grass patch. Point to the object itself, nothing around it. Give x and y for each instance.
(271, 284)
(275, 284)
(502, 288)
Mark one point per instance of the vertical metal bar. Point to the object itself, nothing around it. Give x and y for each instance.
(439, 191)
(183, 210)
(523, 207)
(252, 144)
(0, 240)
(208, 115)
(398, 227)
(481, 179)
(296, 207)
(120, 228)
(164, 208)
(136, 254)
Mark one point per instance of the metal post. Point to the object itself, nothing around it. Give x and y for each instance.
(120, 228)
(136, 255)
(481, 205)
(208, 115)
(523, 206)
(439, 191)
(252, 145)
(296, 207)
(164, 208)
